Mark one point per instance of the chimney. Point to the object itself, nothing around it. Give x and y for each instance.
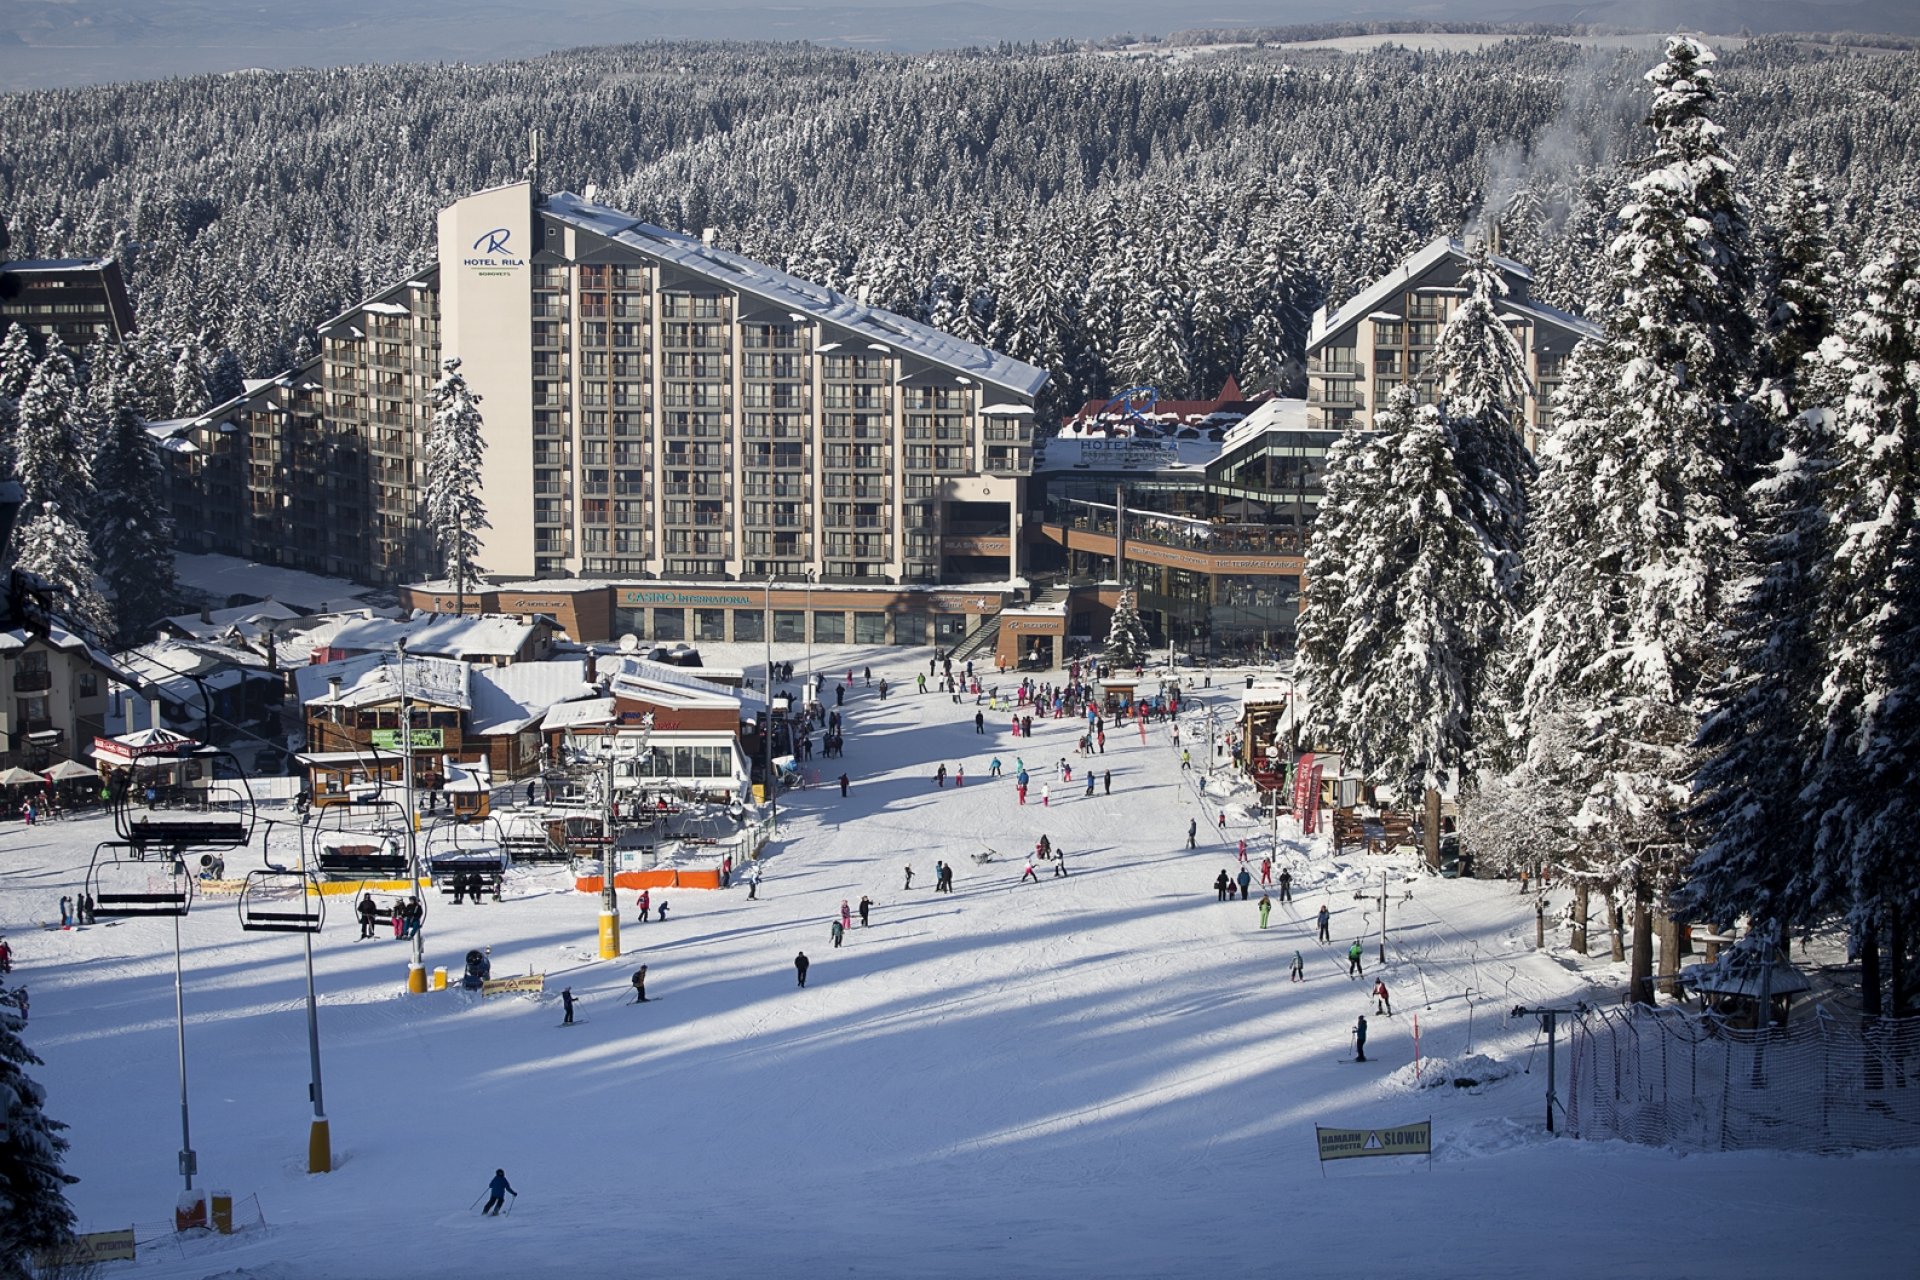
(709, 235)
(206, 614)
(153, 712)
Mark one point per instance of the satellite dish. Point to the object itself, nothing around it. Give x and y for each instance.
(629, 642)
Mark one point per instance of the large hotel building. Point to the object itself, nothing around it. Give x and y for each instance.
(655, 409)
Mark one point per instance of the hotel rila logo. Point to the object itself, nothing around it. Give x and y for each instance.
(493, 253)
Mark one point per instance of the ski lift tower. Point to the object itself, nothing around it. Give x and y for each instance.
(618, 746)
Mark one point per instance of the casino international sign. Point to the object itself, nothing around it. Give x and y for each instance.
(493, 254)
(632, 598)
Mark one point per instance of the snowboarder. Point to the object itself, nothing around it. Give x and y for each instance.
(1244, 880)
(800, 967)
(1360, 1038)
(367, 913)
(866, 905)
(566, 1002)
(1353, 961)
(1222, 887)
(1382, 1002)
(1299, 971)
(500, 1189)
(640, 985)
(1286, 885)
(843, 786)
(1323, 918)
(1193, 828)
(837, 932)
(1266, 909)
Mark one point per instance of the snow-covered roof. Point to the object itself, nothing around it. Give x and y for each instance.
(641, 679)
(797, 296)
(575, 715)
(486, 635)
(1391, 284)
(225, 577)
(374, 678)
(1581, 326)
(510, 699)
(249, 619)
(68, 642)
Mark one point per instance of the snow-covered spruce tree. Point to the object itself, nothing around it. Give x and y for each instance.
(17, 361)
(132, 532)
(1862, 794)
(1798, 286)
(34, 1213)
(1634, 531)
(59, 551)
(1343, 620)
(1434, 614)
(189, 380)
(1127, 640)
(50, 454)
(455, 449)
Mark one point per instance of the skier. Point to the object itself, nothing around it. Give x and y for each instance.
(1382, 1002)
(866, 905)
(6, 957)
(940, 776)
(1030, 873)
(960, 774)
(843, 786)
(1299, 970)
(939, 874)
(909, 877)
(1222, 887)
(993, 768)
(367, 913)
(1353, 961)
(1286, 885)
(1106, 782)
(979, 722)
(1186, 760)
(663, 911)
(566, 1002)
(1193, 827)
(1059, 863)
(1323, 917)
(1089, 784)
(800, 967)
(1243, 851)
(1266, 909)
(837, 932)
(640, 985)
(1244, 880)
(846, 915)
(500, 1189)
(1046, 795)
(1360, 1039)
(1266, 872)
(753, 882)
(645, 903)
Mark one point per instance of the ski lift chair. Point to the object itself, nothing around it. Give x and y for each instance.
(225, 821)
(122, 883)
(282, 901)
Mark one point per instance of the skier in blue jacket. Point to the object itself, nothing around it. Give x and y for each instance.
(500, 1189)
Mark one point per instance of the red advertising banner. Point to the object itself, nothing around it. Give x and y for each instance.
(1302, 782)
(1313, 802)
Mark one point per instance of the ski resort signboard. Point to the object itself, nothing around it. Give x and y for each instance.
(1354, 1144)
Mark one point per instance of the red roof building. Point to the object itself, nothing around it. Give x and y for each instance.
(1139, 414)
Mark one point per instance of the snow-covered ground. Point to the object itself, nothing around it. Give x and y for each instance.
(1103, 1075)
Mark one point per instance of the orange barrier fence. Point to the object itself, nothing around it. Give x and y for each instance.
(661, 879)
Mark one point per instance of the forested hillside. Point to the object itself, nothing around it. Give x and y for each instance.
(1116, 222)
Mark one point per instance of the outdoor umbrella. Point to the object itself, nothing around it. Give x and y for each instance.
(18, 777)
(70, 769)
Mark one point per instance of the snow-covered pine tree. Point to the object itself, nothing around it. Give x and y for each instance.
(1862, 793)
(1343, 621)
(132, 530)
(1433, 615)
(34, 1213)
(50, 456)
(59, 551)
(1635, 530)
(1127, 640)
(189, 380)
(17, 361)
(455, 450)
(1763, 737)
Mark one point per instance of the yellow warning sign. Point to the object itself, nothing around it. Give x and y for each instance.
(508, 986)
(1350, 1144)
(87, 1249)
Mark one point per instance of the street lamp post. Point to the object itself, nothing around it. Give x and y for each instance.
(773, 786)
(417, 967)
(809, 624)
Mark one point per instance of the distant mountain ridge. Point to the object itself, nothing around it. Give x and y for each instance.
(59, 43)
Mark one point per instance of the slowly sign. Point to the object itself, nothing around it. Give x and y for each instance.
(1353, 1144)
